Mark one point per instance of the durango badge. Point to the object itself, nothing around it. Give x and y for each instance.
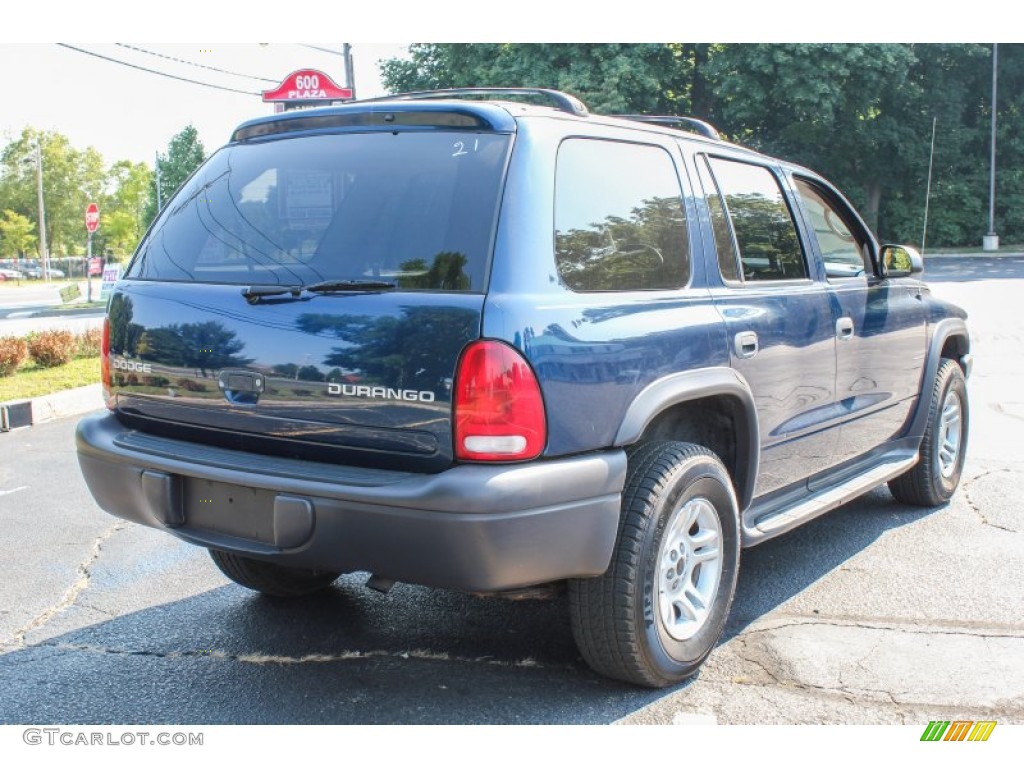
(380, 393)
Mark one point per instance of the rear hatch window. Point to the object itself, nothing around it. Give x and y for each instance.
(390, 231)
(416, 208)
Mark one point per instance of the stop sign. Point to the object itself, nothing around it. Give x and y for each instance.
(92, 217)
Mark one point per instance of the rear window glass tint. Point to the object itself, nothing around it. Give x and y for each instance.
(619, 221)
(765, 231)
(415, 208)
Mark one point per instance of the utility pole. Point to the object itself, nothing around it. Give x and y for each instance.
(350, 75)
(44, 253)
(990, 242)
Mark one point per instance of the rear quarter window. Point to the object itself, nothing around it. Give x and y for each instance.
(619, 220)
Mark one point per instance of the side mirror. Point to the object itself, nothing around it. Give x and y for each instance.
(901, 261)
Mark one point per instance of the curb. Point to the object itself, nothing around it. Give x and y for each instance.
(39, 410)
(983, 255)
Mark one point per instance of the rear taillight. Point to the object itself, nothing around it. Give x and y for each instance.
(499, 411)
(108, 397)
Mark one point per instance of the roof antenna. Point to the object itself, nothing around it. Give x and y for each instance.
(928, 188)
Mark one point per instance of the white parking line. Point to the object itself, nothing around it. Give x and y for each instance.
(14, 490)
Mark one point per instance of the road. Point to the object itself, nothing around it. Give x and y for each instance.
(36, 306)
(874, 613)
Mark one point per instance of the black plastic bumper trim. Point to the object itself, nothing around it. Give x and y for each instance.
(473, 527)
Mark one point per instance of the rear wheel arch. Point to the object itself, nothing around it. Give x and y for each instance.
(712, 407)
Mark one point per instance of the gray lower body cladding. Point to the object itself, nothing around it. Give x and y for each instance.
(472, 527)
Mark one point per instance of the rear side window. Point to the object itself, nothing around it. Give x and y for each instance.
(766, 235)
(619, 220)
(416, 208)
(724, 244)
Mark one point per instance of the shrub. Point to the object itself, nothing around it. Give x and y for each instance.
(52, 348)
(89, 343)
(191, 385)
(13, 352)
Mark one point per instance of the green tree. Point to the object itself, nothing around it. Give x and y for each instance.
(860, 114)
(184, 154)
(123, 210)
(956, 83)
(72, 179)
(610, 78)
(17, 234)
(835, 108)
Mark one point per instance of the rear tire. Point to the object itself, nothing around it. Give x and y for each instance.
(655, 615)
(271, 578)
(935, 477)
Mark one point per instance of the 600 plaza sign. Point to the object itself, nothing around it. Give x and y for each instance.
(307, 85)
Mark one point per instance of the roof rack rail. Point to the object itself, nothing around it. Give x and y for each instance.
(691, 124)
(561, 101)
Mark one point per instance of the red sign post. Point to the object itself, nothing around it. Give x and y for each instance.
(307, 86)
(92, 217)
(92, 223)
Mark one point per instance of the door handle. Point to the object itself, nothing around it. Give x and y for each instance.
(745, 344)
(844, 328)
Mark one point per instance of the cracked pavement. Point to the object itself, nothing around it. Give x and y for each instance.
(874, 613)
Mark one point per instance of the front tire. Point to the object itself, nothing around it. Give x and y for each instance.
(935, 477)
(271, 578)
(655, 615)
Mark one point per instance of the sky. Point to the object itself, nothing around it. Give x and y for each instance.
(129, 114)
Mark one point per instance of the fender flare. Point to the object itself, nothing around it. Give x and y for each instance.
(676, 388)
(944, 330)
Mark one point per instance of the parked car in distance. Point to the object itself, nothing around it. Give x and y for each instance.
(498, 347)
(31, 269)
(34, 270)
(10, 274)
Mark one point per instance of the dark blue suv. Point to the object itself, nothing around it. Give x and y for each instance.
(491, 345)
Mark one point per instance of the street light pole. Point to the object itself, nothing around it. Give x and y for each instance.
(990, 242)
(350, 76)
(44, 254)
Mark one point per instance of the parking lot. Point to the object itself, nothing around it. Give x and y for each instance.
(874, 613)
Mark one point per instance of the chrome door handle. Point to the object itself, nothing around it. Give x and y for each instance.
(844, 328)
(745, 344)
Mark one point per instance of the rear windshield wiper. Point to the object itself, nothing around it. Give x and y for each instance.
(339, 286)
(254, 293)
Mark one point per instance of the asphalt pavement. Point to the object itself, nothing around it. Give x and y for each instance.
(874, 613)
(36, 306)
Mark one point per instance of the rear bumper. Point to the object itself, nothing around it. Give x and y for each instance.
(472, 527)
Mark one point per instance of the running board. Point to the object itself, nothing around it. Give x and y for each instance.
(767, 525)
